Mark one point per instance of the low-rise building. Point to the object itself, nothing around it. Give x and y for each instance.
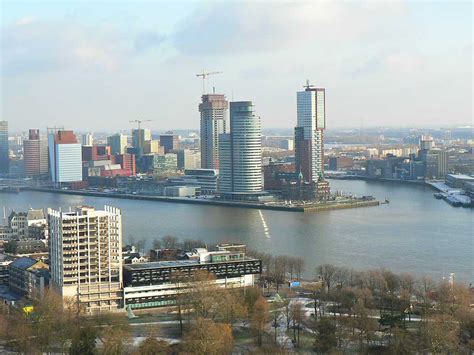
(149, 285)
(28, 276)
(458, 180)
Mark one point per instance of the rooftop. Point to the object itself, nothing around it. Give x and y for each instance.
(23, 263)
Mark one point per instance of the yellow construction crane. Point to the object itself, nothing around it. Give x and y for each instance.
(139, 122)
(204, 75)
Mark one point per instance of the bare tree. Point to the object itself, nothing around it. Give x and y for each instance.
(297, 317)
(169, 242)
(327, 273)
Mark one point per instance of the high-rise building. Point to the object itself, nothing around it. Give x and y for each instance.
(213, 109)
(241, 152)
(311, 123)
(65, 156)
(426, 142)
(117, 143)
(169, 142)
(188, 159)
(87, 139)
(85, 254)
(139, 137)
(35, 154)
(153, 147)
(4, 150)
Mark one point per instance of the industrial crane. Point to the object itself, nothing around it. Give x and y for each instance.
(204, 75)
(308, 86)
(139, 122)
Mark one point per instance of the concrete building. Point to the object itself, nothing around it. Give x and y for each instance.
(426, 142)
(342, 162)
(241, 152)
(150, 285)
(117, 143)
(4, 150)
(35, 154)
(458, 180)
(87, 139)
(127, 162)
(180, 191)
(139, 137)
(169, 142)
(153, 147)
(206, 179)
(311, 123)
(166, 164)
(65, 156)
(28, 277)
(86, 256)
(188, 159)
(213, 111)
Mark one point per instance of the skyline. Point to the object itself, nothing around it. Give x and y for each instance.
(83, 64)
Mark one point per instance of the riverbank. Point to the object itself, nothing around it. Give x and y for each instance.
(315, 207)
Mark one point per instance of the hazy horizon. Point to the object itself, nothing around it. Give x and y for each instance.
(93, 66)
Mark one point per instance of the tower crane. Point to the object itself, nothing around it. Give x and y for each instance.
(139, 122)
(204, 75)
(308, 85)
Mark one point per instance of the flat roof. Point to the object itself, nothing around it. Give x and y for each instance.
(160, 264)
(178, 263)
(461, 176)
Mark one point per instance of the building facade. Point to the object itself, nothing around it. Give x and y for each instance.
(152, 284)
(35, 154)
(139, 137)
(188, 159)
(117, 143)
(86, 256)
(311, 123)
(241, 152)
(169, 142)
(87, 139)
(213, 111)
(4, 150)
(65, 156)
(28, 277)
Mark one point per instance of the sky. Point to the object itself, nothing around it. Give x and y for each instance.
(96, 65)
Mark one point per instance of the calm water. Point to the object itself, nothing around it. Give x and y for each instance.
(414, 233)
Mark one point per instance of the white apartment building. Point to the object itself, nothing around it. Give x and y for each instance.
(213, 110)
(241, 152)
(311, 116)
(86, 256)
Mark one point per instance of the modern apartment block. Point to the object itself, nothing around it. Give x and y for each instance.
(117, 143)
(311, 123)
(4, 150)
(65, 156)
(86, 256)
(35, 154)
(241, 152)
(213, 110)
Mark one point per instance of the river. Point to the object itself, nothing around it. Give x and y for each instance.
(413, 233)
